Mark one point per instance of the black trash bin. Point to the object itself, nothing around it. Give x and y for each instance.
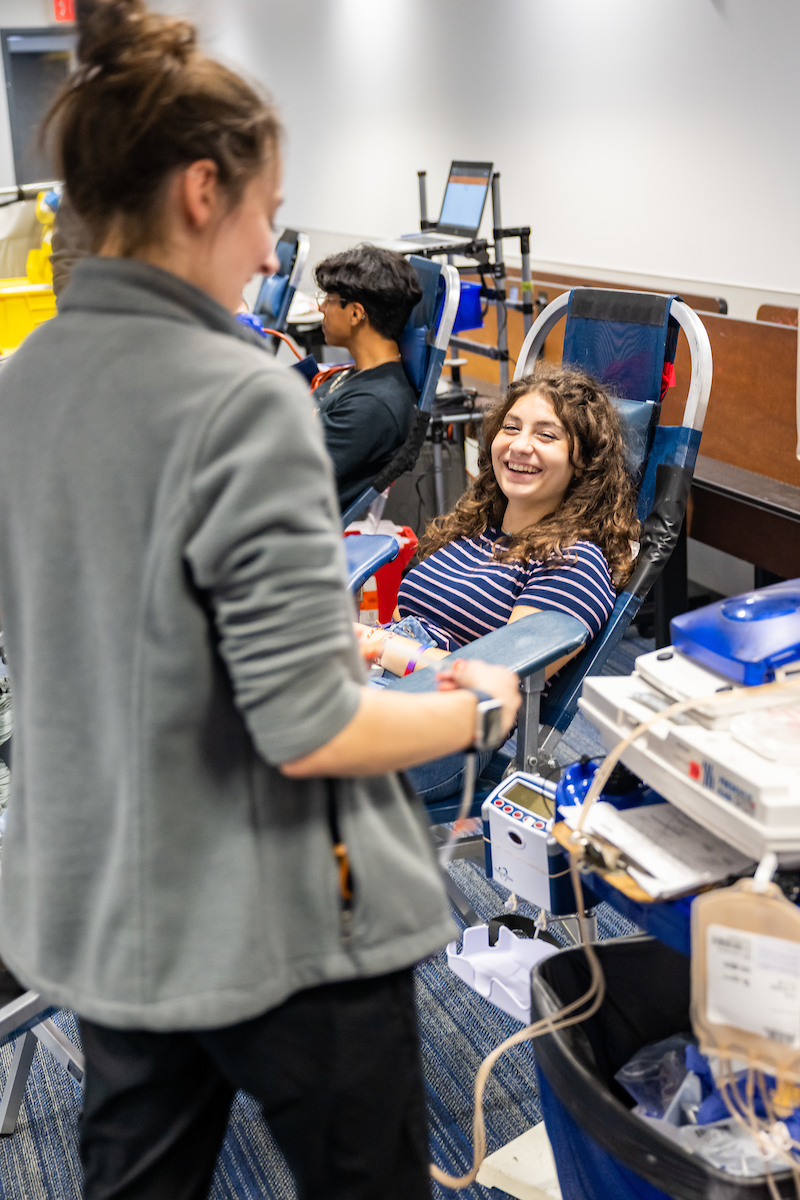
(602, 1151)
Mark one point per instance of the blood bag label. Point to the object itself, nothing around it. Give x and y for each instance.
(753, 983)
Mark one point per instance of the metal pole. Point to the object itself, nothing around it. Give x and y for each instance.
(28, 189)
(501, 312)
(61, 1049)
(437, 437)
(528, 721)
(423, 199)
(527, 291)
(16, 1082)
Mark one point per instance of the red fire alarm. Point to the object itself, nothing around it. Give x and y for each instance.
(64, 10)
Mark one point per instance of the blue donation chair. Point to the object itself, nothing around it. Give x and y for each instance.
(627, 340)
(366, 554)
(423, 347)
(277, 291)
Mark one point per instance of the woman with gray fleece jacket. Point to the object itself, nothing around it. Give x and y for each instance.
(208, 855)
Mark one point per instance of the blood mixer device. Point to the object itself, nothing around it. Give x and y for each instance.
(733, 764)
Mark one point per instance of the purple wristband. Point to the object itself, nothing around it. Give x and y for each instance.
(415, 657)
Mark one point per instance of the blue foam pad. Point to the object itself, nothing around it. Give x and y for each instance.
(636, 417)
(524, 647)
(366, 553)
(414, 354)
(271, 294)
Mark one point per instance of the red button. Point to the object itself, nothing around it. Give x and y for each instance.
(695, 770)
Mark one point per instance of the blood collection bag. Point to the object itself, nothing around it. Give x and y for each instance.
(746, 976)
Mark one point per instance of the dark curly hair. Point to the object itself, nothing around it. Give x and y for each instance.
(383, 282)
(600, 501)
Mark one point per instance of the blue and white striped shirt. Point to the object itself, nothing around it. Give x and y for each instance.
(461, 592)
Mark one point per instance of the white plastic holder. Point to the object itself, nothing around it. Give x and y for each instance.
(500, 973)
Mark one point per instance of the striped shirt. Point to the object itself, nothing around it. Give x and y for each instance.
(461, 592)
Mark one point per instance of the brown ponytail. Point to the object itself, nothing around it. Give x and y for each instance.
(143, 102)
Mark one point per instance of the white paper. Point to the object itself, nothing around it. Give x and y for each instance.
(753, 983)
(671, 852)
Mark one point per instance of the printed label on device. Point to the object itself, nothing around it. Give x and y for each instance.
(753, 983)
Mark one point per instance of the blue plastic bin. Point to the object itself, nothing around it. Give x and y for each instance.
(469, 307)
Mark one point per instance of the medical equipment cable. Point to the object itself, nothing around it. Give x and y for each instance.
(595, 993)
(762, 1134)
(742, 1111)
(284, 338)
(468, 791)
(562, 1019)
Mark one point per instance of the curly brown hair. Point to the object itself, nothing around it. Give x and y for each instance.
(600, 501)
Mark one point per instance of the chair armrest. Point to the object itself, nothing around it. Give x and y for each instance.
(365, 554)
(525, 646)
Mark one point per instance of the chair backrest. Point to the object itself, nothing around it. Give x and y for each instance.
(277, 291)
(423, 347)
(628, 341)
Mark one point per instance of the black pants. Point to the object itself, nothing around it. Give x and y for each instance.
(335, 1069)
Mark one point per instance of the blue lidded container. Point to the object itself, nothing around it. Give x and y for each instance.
(747, 637)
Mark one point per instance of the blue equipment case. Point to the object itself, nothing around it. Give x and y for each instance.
(747, 637)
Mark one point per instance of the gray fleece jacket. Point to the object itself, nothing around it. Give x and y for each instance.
(177, 624)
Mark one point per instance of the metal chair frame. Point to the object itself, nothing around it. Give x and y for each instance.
(535, 744)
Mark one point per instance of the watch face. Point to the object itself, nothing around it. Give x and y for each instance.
(489, 733)
(495, 733)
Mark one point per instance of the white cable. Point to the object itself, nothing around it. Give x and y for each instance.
(467, 793)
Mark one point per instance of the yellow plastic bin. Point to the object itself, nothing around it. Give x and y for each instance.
(23, 306)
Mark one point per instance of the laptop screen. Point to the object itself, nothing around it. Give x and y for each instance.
(464, 198)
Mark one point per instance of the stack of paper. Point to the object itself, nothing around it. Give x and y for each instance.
(666, 852)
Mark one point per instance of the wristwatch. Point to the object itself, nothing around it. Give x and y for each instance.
(489, 731)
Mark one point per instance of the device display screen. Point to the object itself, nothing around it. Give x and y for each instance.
(525, 797)
(465, 196)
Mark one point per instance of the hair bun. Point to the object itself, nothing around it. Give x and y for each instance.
(121, 33)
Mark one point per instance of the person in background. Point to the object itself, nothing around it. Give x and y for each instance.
(208, 856)
(365, 410)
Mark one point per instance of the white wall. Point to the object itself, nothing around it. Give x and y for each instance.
(638, 138)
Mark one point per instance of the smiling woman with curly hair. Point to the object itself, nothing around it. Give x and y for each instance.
(599, 504)
(547, 524)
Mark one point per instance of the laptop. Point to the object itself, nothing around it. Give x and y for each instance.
(462, 209)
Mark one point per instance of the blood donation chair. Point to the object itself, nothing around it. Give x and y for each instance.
(277, 291)
(423, 347)
(628, 340)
